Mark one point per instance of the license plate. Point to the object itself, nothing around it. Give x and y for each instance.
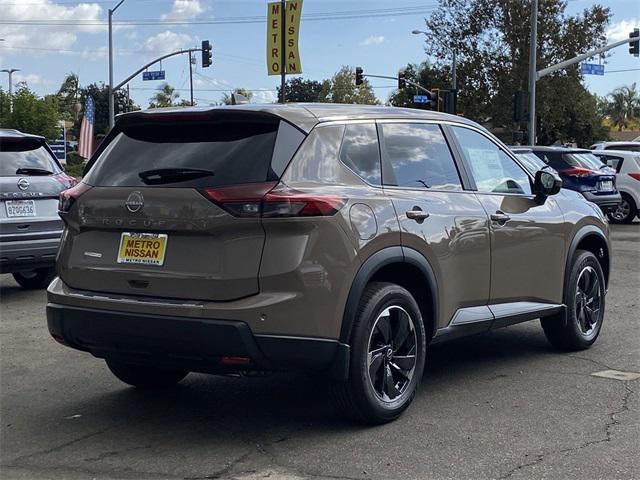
(606, 186)
(20, 208)
(142, 248)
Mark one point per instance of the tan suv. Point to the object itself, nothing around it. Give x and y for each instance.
(336, 239)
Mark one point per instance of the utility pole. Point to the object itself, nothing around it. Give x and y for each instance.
(111, 112)
(532, 72)
(283, 45)
(10, 72)
(190, 77)
(454, 83)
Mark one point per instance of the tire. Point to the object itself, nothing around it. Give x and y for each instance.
(385, 314)
(581, 328)
(35, 279)
(145, 377)
(626, 211)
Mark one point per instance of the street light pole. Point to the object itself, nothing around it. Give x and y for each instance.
(454, 82)
(111, 109)
(10, 72)
(532, 72)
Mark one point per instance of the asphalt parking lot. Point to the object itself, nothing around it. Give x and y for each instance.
(500, 405)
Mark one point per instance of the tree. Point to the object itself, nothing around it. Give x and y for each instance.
(342, 88)
(297, 89)
(491, 39)
(31, 114)
(226, 98)
(100, 94)
(165, 96)
(423, 74)
(624, 106)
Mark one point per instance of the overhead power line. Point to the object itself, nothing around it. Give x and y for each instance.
(319, 16)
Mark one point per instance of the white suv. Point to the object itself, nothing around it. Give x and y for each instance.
(627, 166)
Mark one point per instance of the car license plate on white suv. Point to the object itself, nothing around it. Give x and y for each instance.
(605, 186)
(20, 208)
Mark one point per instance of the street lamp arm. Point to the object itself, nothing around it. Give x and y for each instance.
(126, 80)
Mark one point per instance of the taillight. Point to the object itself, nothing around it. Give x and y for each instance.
(267, 200)
(578, 172)
(284, 202)
(635, 175)
(68, 197)
(67, 180)
(240, 200)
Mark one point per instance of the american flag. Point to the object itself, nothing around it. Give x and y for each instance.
(85, 142)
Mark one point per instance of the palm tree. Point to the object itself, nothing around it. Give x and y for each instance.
(624, 106)
(166, 96)
(226, 98)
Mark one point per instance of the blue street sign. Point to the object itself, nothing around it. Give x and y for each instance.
(591, 69)
(421, 99)
(59, 145)
(153, 75)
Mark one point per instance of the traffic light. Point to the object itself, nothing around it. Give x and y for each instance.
(449, 100)
(359, 76)
(401, 81)
(520, 106)
(634, 47)
(435, 99)
(206, 54)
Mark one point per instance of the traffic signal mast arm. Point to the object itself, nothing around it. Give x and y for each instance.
(413, 84)
(584, 56)
(179, 52)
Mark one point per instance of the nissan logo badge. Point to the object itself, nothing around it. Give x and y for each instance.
(23, 184)
(134, 202)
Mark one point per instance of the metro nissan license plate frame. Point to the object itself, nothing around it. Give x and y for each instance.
(142, 248)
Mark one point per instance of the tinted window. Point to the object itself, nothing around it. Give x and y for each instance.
(419, 157)
(360, 151)
(584, 160)
(629, 147)
(235, 151)
(16, 155)
(492, 169)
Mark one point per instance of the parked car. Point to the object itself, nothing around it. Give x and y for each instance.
(581, 171)
(633, 146)
(30, 181)
(334, 239)
(627, 167)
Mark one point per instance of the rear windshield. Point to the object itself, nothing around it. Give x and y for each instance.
(17, 157)
(584, 160)
(630, 147)
(188, 154)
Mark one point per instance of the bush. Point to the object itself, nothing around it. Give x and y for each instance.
(74, 169)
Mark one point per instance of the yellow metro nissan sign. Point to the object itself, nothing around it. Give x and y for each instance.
(275, 30)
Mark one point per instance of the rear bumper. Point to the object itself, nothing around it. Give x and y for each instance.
(605, 202)
(193, 344)
(21, 255)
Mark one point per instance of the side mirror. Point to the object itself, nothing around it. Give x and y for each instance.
(547, 182)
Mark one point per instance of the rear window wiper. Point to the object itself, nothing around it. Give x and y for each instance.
(33, 171)
(170, 175)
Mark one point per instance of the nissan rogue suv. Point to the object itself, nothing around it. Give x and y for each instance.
(339, 240)
(31, 180)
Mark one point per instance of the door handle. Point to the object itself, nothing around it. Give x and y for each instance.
(500, 217)
(417, 214)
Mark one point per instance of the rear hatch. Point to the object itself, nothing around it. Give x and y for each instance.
(589, 173)
(30, 182)
(145, 221)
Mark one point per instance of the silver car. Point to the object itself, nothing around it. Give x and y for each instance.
(31, 180)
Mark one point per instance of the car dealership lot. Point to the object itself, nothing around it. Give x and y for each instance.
(501, 405)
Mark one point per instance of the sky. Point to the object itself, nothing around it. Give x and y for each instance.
(377, 37)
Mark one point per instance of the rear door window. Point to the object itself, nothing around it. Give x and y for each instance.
(419, 157)
(18, 157)
(613, 161)
(217, 153)
(360, 151)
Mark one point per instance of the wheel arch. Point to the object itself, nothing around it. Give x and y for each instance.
(400, 265)
(590, 238)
